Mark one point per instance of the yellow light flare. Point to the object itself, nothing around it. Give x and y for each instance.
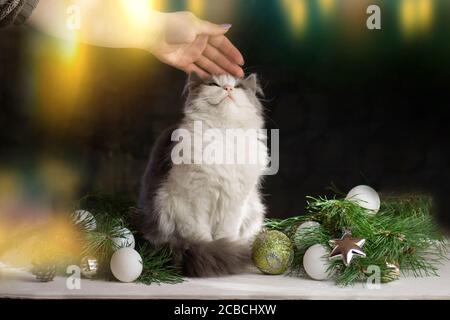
(68, 49)
(3, 235)
(425, 14)
(296, 11)
(59, 68)
(55, 240)
(140, 16)
(10, 187)
(196, 6)
(60, 180)
(158, 5)
(416, 16)
(407, 17)
(137, 10)
(326, 7)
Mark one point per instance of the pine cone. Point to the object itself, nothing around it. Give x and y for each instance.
(44, 272)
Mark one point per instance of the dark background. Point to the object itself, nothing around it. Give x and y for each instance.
(353, 106)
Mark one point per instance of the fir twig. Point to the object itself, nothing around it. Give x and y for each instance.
(158, 266)
(402, 233)
(99, 243)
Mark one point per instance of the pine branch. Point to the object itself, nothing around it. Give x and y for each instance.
(402, 233)
(99, 243)
(158, 266)
(283, 224)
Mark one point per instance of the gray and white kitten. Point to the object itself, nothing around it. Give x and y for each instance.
(207, 213)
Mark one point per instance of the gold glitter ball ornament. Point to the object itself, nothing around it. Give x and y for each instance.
(392, 273)
(272, 252)
(89, 267)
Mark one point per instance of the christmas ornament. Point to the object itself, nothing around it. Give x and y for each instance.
(126, 265)
(44, 271)
(126, 241)
(84, 218)
(315, 262)
(89, 267)
(272, 252)
(303, 230)
(346, 247)
(366, 197)
(392, 273)
(404, 228)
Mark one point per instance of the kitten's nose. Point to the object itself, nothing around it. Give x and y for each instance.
(228, 88)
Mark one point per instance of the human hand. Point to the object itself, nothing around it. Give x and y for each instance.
(193, 45)
(179, 39)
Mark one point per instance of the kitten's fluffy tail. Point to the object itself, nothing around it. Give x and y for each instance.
(216, 258)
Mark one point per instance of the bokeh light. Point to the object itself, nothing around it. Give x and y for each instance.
(10, 187)
(196, 6)
(327, 7)
(416, 17)
(296, 12)
(159, 5)
(59, 179)
(34, 220)
(23, 241)
(58, 69)
(137, 10)
(425, 15)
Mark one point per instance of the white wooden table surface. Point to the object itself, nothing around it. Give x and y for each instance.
(15, 284)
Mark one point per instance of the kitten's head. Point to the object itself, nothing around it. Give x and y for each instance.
(224, 95)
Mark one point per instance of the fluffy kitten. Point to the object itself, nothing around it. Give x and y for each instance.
(207, 213)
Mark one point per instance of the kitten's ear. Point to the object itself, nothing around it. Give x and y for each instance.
(193, 81)
(252, 82)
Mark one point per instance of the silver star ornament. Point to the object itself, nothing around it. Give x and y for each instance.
(346, 247)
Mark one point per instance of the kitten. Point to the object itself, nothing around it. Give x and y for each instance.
(207, 213)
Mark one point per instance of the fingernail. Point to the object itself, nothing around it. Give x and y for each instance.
(226, 26)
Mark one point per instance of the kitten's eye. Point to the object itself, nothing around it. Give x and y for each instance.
(239, 86)
(214, 84)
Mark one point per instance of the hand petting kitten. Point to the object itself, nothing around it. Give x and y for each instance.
(179, 39)
(193, 45)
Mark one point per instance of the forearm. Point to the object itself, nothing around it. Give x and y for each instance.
(107, 23)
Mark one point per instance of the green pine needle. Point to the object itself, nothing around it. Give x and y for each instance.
(158, 267)
(99, 243)
(402, 232)
(111, 214)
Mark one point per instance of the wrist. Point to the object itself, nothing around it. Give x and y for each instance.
(153, 31)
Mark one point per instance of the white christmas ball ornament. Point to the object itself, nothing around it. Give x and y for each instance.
(126, 265)
(126, 241)
(366, 197)
(315, 262)
(86, 218)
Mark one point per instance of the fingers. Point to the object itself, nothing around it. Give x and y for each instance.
(227, 48)
(216, 56)
(209, 66)
(212, 29)
(195, 49)
(193, 68)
